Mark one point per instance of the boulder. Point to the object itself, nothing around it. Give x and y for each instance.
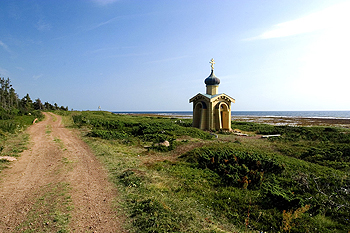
(165, 143)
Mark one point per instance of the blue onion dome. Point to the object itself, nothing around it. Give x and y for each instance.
(212, 79)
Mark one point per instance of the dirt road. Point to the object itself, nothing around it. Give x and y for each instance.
(57, 185)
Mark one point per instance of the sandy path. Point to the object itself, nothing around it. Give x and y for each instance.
(91, 193)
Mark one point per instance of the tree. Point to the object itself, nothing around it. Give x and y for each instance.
(38, 105)
(8, 96)
(11, 104)
(26, 104)
(48, 106)
(13, 98)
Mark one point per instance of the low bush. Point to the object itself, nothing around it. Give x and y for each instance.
(112, 126)
(228, 185)
(236, 167)
(19, 122)
(281, 184)
(5, 115)
(327, 146)
(107, 134)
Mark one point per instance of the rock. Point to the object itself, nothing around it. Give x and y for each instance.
(241, 134)
(165, 143)
(9, 158)
(268, 136)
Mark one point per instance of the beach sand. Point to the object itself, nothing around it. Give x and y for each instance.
(295, 121)
(275, 120)
(291, 121)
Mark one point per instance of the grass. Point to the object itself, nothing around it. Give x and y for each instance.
(66, 160)
(59, 142)
(152, 192)
(159, 195)
(298, 182)
(15, 144)
(13, 140)
(232, 184)
(12, 146)
(48, 129)
(16, 123)
(68, 165)
(52, 204)
(4, 164)
(51, 210)
(54, 118)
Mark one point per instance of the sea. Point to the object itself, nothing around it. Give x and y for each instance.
(302, 114)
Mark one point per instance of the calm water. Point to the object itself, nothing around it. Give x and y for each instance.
(316, 114)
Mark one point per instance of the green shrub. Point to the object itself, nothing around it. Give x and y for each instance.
(112, 126)
(254, 127)
(152, 216)
(281, 183)
(236, 167)
(327, 146)
(108, 134)
(5, 115)
(9, 126)
(226, 184)
(129, 179)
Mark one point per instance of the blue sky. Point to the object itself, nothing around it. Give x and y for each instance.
(126, 55)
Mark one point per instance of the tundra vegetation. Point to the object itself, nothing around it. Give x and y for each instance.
(298, 182)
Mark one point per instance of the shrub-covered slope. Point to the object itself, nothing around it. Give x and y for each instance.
(328, 146)
(231, 184)
(277, 185)
(107, 125)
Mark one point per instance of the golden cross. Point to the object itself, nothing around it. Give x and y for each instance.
(212, 63)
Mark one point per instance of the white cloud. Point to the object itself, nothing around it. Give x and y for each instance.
(322, 80)
(36, 77)
(333, 17)
(4, 72)
(114, 19)
(112, 48)
(167, 59)
(4, 46)
(325, 73)
(41, 25)
(104, 2)
(103, 23)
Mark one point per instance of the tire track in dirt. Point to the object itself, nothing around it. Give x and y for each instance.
(58, 155)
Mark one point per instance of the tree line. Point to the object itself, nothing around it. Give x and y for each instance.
(10, 102)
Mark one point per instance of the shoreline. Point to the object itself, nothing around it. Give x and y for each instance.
(296, 121)
(273, 120)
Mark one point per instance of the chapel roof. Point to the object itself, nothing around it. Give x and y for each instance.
(212, 79)
(211, 97)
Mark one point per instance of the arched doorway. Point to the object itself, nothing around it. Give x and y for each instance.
(224, 116)
(199, 115)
